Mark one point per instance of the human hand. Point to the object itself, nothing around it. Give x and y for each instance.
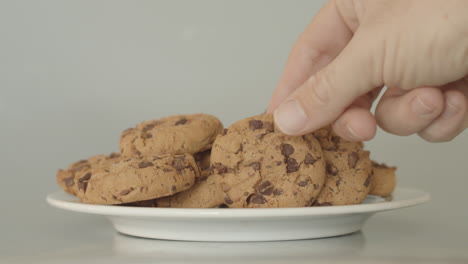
(352, 48)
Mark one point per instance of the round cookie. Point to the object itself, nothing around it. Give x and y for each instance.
(203, 194)
(383, 179)
(348, 170)
(137, 179)
(171, 135)
(348, 178)
(255, 166)
(66, 178)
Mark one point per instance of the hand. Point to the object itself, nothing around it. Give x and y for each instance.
(352, 48)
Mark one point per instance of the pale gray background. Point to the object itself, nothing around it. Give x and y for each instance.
(73, 74)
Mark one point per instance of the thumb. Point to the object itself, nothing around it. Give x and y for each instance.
(324, 96)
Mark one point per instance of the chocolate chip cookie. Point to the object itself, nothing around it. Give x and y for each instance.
(348, 170)
(178, 134)
(128, 180)
(256, 166)
(66, 178)
(348, 178)
(383, 179)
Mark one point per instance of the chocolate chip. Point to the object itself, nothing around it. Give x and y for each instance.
(149, 127)
(149, 135)
(166, 170)
(225, 187)
(279, 163)
(224, 132)
(83, 181)
(114, 155)
(266, 188)
(255, 165)
(277, 192)
(268, 126)
(338, 182)
(68, 181)
(303, 183)
(173, 188)
(181, 121)
(228, 200)
(309, 159)
(126, 191)
(331, 169)
(291, 165)
(287, 150)
(255, 124)
(336, 140)
(367, 182)
(258, 199)
(202, 178)
(179, 163)
(80, 167)
(144, 164)
(316, 186)
(220, 168)
(352, 159)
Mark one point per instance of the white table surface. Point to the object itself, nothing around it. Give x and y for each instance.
(412, 235)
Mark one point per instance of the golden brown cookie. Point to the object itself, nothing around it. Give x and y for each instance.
(137, 179)
(171, 135)
(66, 178)
(203, 194)
(348, 178)
(348, 170)
(383, 179)
(254, 166)
(200, 195)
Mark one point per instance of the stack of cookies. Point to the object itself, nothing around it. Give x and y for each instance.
(190, 161)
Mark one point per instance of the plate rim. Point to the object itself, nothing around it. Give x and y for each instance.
(218, 213)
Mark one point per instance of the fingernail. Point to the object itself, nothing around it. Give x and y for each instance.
(420, 107)
(451, 109)
(290, 117)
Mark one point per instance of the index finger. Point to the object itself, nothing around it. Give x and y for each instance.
(320, 43)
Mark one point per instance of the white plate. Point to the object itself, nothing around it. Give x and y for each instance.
(226, 224)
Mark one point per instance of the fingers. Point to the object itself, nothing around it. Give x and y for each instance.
(356, 124)
(451, 122)
(326, 94)
(317, 46)
(411, 112)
